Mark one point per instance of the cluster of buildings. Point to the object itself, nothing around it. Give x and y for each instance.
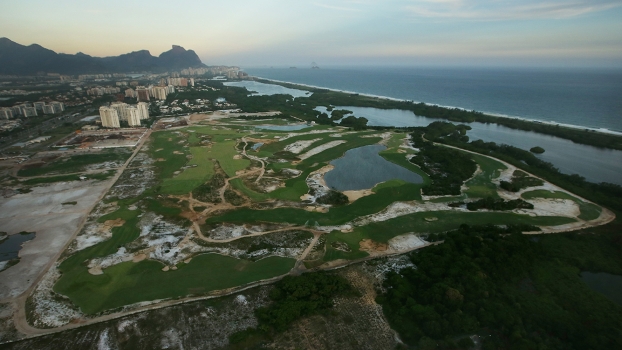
(101, 91)
(30, 109)
(100, 76)
(119, 111)
(146, 93)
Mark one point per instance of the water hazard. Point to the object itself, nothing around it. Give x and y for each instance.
(363, 168)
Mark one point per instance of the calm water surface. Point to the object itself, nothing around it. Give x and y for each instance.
(593, 163)
(363, 168)
(261, 89)
(10, 247)
(606, 284)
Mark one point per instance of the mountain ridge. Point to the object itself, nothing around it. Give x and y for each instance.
(18, 59)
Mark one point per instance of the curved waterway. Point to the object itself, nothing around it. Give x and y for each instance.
(593, 163)
(363, 168)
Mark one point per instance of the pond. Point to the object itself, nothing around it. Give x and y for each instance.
(363, 168)
(290, 127)
(10, 247)
(261, 89)
(606, 284)
(257, 145)
(593, 163)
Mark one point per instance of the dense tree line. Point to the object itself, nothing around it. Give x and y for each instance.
(606, 194)
(494, 204)
(333, 197)
(502, 284)
(447, 168)
(292, 298)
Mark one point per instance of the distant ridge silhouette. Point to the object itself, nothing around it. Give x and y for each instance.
(17, 59)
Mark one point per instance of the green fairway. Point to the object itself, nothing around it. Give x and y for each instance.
(481, 186)
(589, 211)
(127, 283)
(385, 194)
(224, 152)
(383, 231)
(201, 169)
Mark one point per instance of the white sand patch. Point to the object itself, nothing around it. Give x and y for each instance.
(317, 185)
(322, 148)
(397, 209)
(49, 309)
(312, 132)
(552, 207)
(406, 242)
(299, 146)
(3, 265)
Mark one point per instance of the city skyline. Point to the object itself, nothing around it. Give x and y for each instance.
(355, 32)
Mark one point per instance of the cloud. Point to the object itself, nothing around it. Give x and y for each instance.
(507, 9)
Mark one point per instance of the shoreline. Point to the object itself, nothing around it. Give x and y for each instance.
(497, 115)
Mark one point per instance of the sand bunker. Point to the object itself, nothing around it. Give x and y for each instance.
(354, 195)
(406, 242)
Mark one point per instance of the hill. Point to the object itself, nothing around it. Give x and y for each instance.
(17, 59)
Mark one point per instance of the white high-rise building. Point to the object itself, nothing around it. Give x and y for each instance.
(58, 106)
(133, 118)
(130, 93)
(109, 116)
(160, 92)
(48, 109)
(6, 113)
(29, 112)
(143, 110)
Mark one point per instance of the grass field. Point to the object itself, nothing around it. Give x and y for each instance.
(382, 232)
(191, 178)
(77, 163)
(481, 186)
(589, 211)
(129, 282)
(223, 152)
(385, 194)
(63, 178)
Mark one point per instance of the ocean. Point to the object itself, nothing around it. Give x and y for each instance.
(589, 98)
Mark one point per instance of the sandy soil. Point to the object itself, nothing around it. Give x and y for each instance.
(354, 195)
(53, 223)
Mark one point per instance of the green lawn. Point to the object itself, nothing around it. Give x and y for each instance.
(129, 282)
(223, 152)
(589, 211)
(382, 232)
(385, 194)
(190, 178)
(481, 186)
(76, 163)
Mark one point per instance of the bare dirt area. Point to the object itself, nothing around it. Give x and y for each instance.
(41, 211)
(353, 323)
(199, 325)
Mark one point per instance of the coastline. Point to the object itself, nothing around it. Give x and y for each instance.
(497, 115)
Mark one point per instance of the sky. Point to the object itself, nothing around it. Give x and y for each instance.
(550, 33)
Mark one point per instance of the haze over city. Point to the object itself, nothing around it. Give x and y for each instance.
(356, 32)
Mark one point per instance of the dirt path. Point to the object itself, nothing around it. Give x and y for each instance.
(19, 303)
(263, 164)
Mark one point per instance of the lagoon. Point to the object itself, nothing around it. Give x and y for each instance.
(593, 163)
(261, 89)
(363, 168)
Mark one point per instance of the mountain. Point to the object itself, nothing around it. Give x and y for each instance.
(17, 59)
